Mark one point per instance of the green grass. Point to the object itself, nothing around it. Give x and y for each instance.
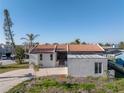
(50, 86)
(55, 84)
(69, 85)
(11, 67)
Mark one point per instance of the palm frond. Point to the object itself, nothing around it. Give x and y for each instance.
(25, 38)
(35, 36)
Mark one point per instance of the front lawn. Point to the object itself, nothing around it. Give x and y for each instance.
(58, 84)
(11, 67)
(52, 85)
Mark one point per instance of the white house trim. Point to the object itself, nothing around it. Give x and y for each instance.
(100, 47)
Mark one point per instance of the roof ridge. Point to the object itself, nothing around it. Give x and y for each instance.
(32, 48)
(100, 47)
(67, 47)
(55, 47)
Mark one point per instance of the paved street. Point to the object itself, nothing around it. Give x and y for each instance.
(12, 78)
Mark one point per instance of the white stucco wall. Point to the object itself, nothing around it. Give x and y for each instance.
(34, 58)
(85, 67)
(46, 62)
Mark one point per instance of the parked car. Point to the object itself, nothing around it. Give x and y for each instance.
(3, 57)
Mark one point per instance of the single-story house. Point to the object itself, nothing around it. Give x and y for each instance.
(81, 60)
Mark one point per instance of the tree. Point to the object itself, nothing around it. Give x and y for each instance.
(101, 44)
(30, 39)
(121, 45)
(19, 55)
(84, 43)
(8, 32)
(35, 68)
(25, 46)
(107, 44)
(55, 43)
(77, 41)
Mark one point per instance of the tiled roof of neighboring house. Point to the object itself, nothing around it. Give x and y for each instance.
(107, 47)
(61, 47)
(69, 48)
(111, 50)
(88, 48)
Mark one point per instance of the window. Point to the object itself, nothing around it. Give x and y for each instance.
(98, 68)
(41, 57)
(51, 57)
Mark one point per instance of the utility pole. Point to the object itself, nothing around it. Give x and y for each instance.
(8, 32)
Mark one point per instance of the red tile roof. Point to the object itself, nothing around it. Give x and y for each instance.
(61, 48)
(68, 48)
(44, 48)
(84, 48)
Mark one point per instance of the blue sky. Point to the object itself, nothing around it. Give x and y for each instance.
(65, 20)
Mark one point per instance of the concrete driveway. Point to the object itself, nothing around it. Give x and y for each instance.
(10, 79)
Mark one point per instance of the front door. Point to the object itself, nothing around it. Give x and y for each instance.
(62, 58)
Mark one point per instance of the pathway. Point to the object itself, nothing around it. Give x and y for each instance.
(10, 79)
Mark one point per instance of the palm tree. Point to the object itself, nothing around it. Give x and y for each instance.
(30, 39)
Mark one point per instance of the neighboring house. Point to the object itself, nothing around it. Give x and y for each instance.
(111, 52)
(75, 57)
(5, 50)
